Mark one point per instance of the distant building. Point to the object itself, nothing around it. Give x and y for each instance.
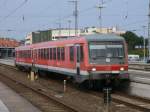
(88, 31)
(7, 42)
(49, 35)
(38, 36)
(7, 47)
(55, 34)
(63, 33)
(92, 30)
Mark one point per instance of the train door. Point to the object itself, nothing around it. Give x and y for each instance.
(77, 47)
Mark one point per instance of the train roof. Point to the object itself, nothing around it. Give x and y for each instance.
(103, 37)
(89, 38)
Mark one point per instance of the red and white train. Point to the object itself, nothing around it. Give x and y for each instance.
(92, 57)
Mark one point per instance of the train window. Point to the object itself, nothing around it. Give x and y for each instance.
(54, 53)
(29, 54)
(42, 53)
(39, 54)
(81, 53)
(23, 54)
(58, 53)
(115, 51)
(97, 51)
(36, 54)
(45, 54)
(62, 53)
(71, 53)
(26, 54)
(44, 57)
(50, 52)
(20, 54)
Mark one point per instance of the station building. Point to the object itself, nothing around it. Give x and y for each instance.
(7, 47)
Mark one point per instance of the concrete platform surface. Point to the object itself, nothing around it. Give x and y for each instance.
(10, 101)
(8, 61)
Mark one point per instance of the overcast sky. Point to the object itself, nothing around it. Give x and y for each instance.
(18, 17)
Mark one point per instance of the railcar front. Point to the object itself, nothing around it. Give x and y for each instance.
(107, 58)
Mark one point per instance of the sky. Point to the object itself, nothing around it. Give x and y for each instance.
(19, 17)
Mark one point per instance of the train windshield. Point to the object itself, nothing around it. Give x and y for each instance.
(106, 51)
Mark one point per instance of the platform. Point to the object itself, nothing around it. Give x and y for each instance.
(10, 101)
(10, 62)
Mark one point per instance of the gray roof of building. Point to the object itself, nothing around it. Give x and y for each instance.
(104, 37)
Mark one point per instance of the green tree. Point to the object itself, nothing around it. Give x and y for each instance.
(134, 40)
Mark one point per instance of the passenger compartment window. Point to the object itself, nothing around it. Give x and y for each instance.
(62, 53)
(58, 53)
(50, 52)
(42, 57)
(81, 53)
(71, 49)
(54, 53)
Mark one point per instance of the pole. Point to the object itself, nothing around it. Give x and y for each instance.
(76, 16)
(149, 31)
(107, 98)
(144, 42)
(69, 21)
(100, 7)
(59, 29)
(65, 82)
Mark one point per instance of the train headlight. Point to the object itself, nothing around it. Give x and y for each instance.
(121, 69)
(93, 69)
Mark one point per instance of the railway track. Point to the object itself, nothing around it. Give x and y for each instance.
(129, 101)
(136, 66)
(124, 99)
(38, 97)
(133, 102)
